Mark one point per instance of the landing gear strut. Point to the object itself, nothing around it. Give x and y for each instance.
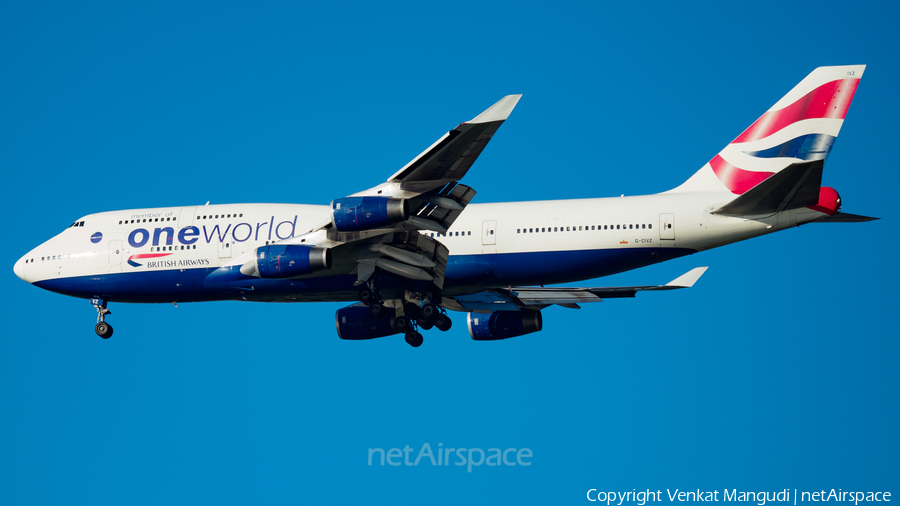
(102, 328)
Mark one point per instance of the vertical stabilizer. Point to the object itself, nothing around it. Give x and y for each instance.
(801, 127)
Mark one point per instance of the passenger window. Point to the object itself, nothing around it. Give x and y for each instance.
(492, 232)
(650, 226)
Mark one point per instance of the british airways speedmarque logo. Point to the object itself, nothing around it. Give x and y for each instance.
(132, 258)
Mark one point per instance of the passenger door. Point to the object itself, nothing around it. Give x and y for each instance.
(488, 233)
(115, 256)
(666, 228)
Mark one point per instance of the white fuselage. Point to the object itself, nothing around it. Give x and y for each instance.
(162, 240)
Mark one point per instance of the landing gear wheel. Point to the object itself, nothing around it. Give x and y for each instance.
(366, 296)
(442, 322)
(376, 310)
(401, 323)
(104, 330)
(414, 339)
(428, 311)
(426, 324)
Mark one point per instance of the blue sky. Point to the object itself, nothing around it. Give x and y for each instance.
(778, 370)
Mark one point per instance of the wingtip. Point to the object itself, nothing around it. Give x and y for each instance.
(499, 111)
(688, 279)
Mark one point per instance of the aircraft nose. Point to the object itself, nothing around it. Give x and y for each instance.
(19, 269)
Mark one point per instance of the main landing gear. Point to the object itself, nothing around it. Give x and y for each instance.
(102, 328)
(421, 314)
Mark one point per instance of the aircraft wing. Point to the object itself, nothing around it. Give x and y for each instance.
(423, 195)
(536, 298)
(451, 156)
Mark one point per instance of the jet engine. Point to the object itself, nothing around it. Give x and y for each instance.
(356, 323)
(504, 324)
(288, 261)
(353, 214)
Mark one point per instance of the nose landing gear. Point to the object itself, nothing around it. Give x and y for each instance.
(102, 328)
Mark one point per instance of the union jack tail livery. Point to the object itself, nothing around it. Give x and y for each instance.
(801, 127)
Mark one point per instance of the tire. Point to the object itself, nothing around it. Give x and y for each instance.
(428, 311)
(366, 296)
(401, 323)
(414, 339)
(442, 322)
(376, 310)
(104, 330)
(426, 324)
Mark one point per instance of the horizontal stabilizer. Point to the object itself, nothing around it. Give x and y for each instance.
(845, 218)
(794, 187)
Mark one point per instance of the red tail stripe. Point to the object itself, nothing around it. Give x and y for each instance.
(831, 100)
(735, 179)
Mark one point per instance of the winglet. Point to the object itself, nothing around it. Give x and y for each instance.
(688, 279)
(499, 111)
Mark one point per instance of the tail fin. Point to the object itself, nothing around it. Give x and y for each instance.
(802, 126)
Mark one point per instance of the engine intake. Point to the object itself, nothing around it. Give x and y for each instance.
(354, 323)
(353, 214)
(504, 324)
(288, 261)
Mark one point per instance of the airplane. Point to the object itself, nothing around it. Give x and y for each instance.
(413, 248)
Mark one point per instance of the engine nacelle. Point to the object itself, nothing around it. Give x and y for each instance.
(288, 261)
(355, 323)
(352, 214)
(504, 324)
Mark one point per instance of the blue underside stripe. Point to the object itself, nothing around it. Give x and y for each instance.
(465, 274)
